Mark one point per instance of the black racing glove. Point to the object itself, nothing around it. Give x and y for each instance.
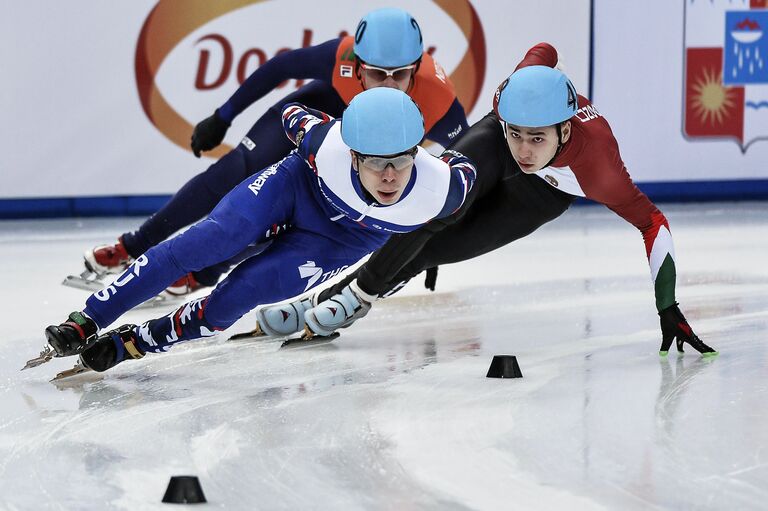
(208, 133)
(674, 325)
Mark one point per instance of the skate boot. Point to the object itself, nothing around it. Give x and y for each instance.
(281, 320)
(111, 348)
(184, 286)
(108, 258)
(71, 337)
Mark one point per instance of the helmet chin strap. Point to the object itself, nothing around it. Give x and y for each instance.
(559, 129)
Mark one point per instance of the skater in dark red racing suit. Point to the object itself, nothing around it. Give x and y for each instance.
(541, 148)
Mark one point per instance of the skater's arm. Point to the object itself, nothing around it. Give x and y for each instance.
(543, 54)
(606, 180)
(298, 121)
(305, 127)
(450, 127)
(617, 191)
(314, 62)
(463, 176)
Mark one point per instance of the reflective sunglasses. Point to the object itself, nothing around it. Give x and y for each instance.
(380, 74)
(379, 163)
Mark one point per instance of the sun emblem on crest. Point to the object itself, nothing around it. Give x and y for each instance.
(711, 100)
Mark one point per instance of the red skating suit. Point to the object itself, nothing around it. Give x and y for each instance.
(589, 165)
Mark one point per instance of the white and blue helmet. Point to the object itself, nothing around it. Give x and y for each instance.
(382, 122)
(388, 38)
(536, 96)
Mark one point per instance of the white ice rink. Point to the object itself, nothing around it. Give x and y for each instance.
(397, 413)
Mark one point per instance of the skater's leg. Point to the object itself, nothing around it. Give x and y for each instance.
(202, 193)
(239, 220)
(266, 278)
(264, 144)
(515, 210)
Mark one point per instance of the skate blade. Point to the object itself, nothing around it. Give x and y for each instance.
(161, 300)
(246, 336)
(79, 368)
(94, 282)
(305, 341)
(97, 284)
(256, 333)
(46, 354)
(87, 281)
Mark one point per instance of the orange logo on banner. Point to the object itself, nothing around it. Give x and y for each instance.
(172, 20)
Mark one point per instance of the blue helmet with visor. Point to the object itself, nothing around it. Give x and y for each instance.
(382, 122)
(536, 96)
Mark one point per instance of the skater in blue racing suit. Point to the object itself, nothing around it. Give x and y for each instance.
(386, 51)
(346, 188)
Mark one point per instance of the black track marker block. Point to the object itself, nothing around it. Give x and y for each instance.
(504, 366)
(184, 490)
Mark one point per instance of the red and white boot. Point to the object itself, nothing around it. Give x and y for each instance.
(184, 286)
(108, 258)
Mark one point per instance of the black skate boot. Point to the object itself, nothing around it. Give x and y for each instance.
(71, 337)
(111, 348)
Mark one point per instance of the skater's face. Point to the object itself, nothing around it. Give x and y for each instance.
(394, 78)
(533, 148)
(384, 177)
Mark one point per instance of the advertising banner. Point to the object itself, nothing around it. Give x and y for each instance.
(99, 99)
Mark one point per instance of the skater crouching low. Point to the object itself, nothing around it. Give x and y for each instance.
(347, 187)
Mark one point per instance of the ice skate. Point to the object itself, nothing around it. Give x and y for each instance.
(256, 333)
(111, 348)
(72, 336)
(99, 262)
(87, 281)
(284, 323)
(67, 339)
(107, 259)
(277, 321)
(79, 368)
(105, 352)
(308, 338)
(94, 282)
(174, 294)
(184, 286)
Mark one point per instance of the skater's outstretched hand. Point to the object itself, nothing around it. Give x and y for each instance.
(674, 325)
(208, 133)
(340, 310)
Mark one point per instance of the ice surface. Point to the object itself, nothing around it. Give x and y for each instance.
(397, 413)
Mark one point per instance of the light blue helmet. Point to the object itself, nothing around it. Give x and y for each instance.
(535, 96)
(382, 121)
(388, 38)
